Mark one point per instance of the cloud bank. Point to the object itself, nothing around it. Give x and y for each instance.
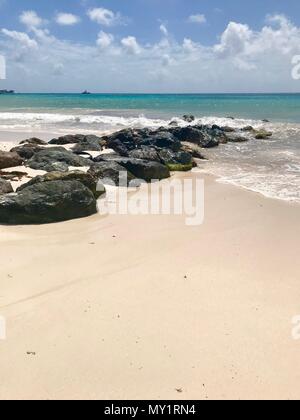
(241, 60)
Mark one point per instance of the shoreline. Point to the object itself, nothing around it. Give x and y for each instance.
(215, 323)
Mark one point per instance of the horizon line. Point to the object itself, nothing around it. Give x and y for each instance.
(153, 93)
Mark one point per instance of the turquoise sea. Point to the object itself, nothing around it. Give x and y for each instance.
(269, 167)
(279, 107)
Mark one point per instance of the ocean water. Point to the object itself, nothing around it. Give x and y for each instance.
(270, 167)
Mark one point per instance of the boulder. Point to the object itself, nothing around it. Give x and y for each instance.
(56, 159)
(197, 135)
(162, 140)
(9, 160)
(85, 178)
(177, 162)
(104, 157)
(193, 149)
(68, 139)
(88, 143)
(235, 138)
(118, 147)
(248, 128)
(146, 153)
(5, 187)
(217, 134)
(111, 171)
(168, 157)
(189, 134)
(34, 141)
(26, 151)
(47, 202)
(263, 134)
(145, 169)
(126, 140)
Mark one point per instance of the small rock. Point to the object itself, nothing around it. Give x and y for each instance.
(263, 135)
(34, 141)
(5, 187)
(188, 118)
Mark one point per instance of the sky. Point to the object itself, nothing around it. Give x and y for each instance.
(155, 46)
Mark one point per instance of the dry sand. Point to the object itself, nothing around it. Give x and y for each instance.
(130, 307)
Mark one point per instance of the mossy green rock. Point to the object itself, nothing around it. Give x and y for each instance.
(178, 167)
(263, 134)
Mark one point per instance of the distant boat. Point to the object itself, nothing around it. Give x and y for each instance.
(6, 92)
(86, 92)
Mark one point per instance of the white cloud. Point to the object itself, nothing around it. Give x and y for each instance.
(104, 16)
(244, 59)
(189, 45)
(281, 20)
(131, 45)
(164, 30)
(104, 40)
(31, 19)
(67, 19)
(234, 40)
(199, 18)
(22, 38)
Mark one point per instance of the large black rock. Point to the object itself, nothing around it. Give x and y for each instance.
(85, 178)
(193, 149)
(125, 140)
(54, 159)
(145, 169)
(169, 157)
(48, 202)
(68, 139)
(26, 151)
(146, 153)
(162, 140)
(112, 172)
(190, 134)
(88, 143)
(119, 147)
(203, 136)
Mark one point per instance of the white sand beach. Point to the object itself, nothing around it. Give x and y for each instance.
(135, 307)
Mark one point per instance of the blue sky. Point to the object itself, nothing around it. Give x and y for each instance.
(150, 45)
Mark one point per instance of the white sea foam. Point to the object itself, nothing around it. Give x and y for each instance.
(16, 120)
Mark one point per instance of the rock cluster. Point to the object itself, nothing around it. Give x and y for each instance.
(135, 154)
